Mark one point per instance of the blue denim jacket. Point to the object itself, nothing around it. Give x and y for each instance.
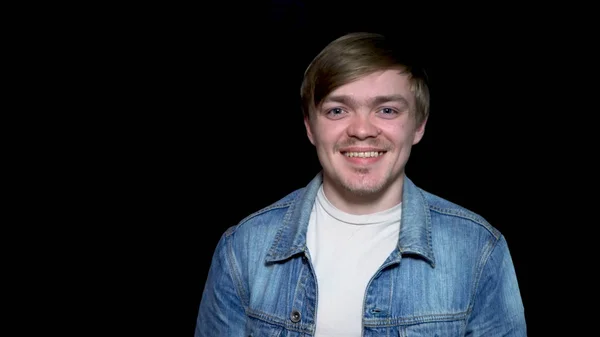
(450, 275)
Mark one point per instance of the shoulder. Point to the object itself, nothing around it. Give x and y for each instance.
(446, 212)
(267, 217)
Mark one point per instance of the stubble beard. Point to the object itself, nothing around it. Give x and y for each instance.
(363, 184)
(361, 181)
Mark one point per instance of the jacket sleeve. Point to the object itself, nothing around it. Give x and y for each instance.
(221, 311)
(497, 306)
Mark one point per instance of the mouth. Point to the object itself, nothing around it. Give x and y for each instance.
(363, 154)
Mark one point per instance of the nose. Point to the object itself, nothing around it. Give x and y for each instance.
(362, 127)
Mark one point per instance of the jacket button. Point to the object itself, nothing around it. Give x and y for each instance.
(295, 316)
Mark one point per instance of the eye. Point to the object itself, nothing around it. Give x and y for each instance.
(388, 111)
(335, 111)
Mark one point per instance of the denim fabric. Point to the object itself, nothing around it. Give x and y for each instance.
(450, 275)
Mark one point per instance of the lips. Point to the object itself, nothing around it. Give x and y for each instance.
(363, 154)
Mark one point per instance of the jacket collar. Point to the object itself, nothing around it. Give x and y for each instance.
(415, 227)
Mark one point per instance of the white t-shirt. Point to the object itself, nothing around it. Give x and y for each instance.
(346, 251)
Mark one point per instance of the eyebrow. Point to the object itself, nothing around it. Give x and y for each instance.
(347, 100)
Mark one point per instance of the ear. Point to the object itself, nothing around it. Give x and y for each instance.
(308, 129)
(419, 132)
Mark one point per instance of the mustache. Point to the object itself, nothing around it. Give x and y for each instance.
(370, 142)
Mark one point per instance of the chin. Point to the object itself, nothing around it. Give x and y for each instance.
(358, 181)
(364, 185)
(363, 191)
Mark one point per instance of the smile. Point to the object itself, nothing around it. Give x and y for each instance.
(368, 154)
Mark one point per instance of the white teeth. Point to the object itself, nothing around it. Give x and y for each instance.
(363, 154)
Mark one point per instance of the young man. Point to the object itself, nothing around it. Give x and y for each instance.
(361, 250)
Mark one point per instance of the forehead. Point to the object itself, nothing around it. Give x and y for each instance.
(380, 83)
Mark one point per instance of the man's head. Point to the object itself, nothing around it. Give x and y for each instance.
(353, 56)
(364, 109)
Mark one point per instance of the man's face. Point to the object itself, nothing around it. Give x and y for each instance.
(364, 131)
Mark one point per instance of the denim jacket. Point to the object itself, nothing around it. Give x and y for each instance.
(451, 274)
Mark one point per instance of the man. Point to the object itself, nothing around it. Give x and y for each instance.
(361, 250)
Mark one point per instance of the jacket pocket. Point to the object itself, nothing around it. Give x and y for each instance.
(432, 329)
(257, 328)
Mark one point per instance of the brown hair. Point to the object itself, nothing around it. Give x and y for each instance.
(353, 56)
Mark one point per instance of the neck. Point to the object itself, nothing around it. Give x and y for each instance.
(366, 202)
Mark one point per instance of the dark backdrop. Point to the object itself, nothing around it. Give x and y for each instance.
(217, 131)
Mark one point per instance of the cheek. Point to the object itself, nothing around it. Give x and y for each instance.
(400, 134)
(327, 134)
(394, 133)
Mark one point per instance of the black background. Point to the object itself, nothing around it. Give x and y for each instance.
(213, 131)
